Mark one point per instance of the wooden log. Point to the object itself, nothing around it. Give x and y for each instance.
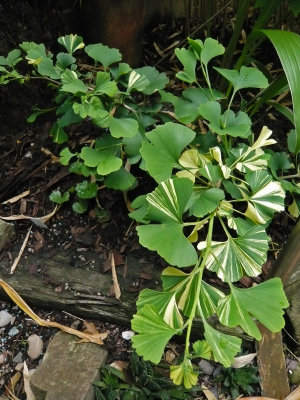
(287, 268)
(85, 293)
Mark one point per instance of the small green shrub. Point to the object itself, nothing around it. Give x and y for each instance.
(139, 382)
(239, 381)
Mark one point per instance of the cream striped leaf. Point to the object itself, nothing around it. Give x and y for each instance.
(232, 259)
(267, 197)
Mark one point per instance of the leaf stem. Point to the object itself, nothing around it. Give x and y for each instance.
(200, 268)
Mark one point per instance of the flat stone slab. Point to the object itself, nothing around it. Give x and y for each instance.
(68, 369)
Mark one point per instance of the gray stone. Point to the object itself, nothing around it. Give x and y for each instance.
(7, 232)
(13, 331)
(18, 358)
(5, 318)
(206, 367)
(68, 369)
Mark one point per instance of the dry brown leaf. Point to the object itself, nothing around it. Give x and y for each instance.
(239, 362)
(157, 48)
(16, 198)
(10, 388)
(93, 338)
(117, 289)
(90, 327)
(208, 394)
(119, 364)
(40, 222)
(27, 388)
(174, 44)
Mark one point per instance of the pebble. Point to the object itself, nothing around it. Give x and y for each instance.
(35, 348)
(5, 318)
(127, 335)
(206, 367)
(13, 331)
(18, 358)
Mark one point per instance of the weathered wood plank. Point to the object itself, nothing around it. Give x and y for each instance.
(85, 292)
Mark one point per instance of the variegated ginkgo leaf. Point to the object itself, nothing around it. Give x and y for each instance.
(263, 139)
(238, 256)
(216, 153)
(165, 304)
(267, 196)
(166, 205)
(253, 161)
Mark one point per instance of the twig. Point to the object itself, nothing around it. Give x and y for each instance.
(16, 262)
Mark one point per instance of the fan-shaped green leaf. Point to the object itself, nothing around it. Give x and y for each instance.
(103, 54)
(169, 242)
(247, 77)
(71, 42)
(157, 80)
(153, 334)
(105, 85)
(224, 347)
(205, 201)
(167, 142)
(242, 305)
(211, 49)
(189, 61)
(71, 83)
(120, 179)
(123, 127)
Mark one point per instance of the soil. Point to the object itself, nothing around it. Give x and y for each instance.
(28, 162)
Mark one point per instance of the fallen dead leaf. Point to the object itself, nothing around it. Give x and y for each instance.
(208, 394)
(241, 361)
(35, 346)
(40, 222)
(119, 364)
(117, 289)
(17, 198)
(93, 338)
(26, 378)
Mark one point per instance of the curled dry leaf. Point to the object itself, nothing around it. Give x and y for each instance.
(40, 222)
(93, 338)
(35, 346)
(26, 378)
(241, 361)
(16, 198)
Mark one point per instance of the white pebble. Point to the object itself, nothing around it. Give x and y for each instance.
(127, 335)
(5, 318)
(35, 346)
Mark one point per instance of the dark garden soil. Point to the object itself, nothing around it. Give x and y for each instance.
(28, 161)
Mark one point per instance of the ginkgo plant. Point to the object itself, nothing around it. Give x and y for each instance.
(109, 93)
(215, 197)
(218, 185)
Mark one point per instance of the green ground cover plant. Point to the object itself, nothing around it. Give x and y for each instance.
(218, 182)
